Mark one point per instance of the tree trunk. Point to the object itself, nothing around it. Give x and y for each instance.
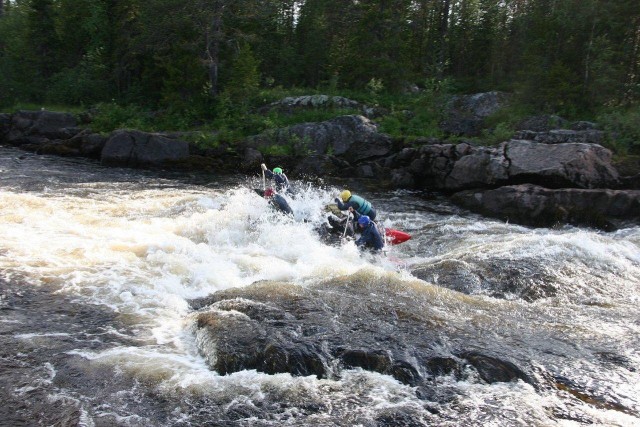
(634, 67)
(444, 35)
(213, 38)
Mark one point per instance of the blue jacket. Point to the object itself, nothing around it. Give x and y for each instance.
(370, 238)
(281, 180)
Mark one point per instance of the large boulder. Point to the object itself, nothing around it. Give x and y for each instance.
(84, 144)
(562, 136)
(292, 104)
(481, 167)
(354, 138)
(538, 206)
(389, 328)
(450, 167)
(465, 115)
(560, 165)
(135, 148)
(36, 127)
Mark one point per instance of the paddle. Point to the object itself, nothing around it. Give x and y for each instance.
(346, 224)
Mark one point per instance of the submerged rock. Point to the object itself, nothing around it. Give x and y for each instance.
(355, 322)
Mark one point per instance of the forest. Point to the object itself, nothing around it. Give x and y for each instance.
(210, 63)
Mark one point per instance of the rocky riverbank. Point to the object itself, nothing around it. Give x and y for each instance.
(542, 176)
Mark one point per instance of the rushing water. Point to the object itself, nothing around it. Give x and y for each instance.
(98, 265)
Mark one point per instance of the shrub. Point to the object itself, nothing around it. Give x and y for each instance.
(623, 127)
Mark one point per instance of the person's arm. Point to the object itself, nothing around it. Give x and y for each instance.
(341, 206)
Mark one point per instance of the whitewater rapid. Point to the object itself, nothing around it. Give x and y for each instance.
(129, 250)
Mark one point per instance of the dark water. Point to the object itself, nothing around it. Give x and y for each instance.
(98, 269)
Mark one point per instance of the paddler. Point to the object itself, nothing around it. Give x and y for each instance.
(355, 203)
(279, 177)
(277, 201)
(370, 237)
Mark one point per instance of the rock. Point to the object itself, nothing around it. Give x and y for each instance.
(561, 136)
(290, 105)
(528, 279)
(275, 327)
(464, 115)
(252, 158)
(560, 165)
(584, 125)
(542, 123)
(354, 138)
(85, 144)
(450, 167)
(480, 167)
(493, 370)
(35, 127)
(135, 148)
(537, 206)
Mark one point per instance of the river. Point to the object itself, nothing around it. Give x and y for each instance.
(98, 267)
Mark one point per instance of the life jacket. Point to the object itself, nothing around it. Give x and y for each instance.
(364, 207)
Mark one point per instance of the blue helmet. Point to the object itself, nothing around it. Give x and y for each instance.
(364, 220)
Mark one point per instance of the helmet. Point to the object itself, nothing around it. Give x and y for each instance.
(364, 220)
(277, 170)
(269, 192)
(345, 195)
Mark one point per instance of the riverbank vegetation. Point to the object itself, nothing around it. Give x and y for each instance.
(210, 65)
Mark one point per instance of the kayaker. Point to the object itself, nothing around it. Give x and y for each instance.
(279, 177)
(355, 203)
(370, 237)
(277, 201)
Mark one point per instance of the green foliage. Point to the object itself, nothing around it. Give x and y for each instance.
(623, 126)
(203, 64)
(111, 116)
(84, 84)
(502, 132)
(245, 78)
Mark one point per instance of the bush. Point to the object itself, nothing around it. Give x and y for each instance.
(111, 116)
(623, 126)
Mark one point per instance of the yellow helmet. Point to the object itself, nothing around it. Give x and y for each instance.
(345, 195)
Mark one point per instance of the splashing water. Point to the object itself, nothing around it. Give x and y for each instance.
(98, 266)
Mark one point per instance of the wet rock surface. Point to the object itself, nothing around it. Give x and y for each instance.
(541, 154)
(538, 206)
(273, 327)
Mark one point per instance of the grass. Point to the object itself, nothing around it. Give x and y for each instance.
(410, 117)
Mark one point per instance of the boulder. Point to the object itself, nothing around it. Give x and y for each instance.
(542, 123)
(560, 165)
(529, 279)
(85, 144)
(479, 167)
(36, 127)
(291, 104)
(533, 205)
(465, 115)
(275, 327)
(135, 148)
(354, 138)
(450, 167)
(561, 136)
